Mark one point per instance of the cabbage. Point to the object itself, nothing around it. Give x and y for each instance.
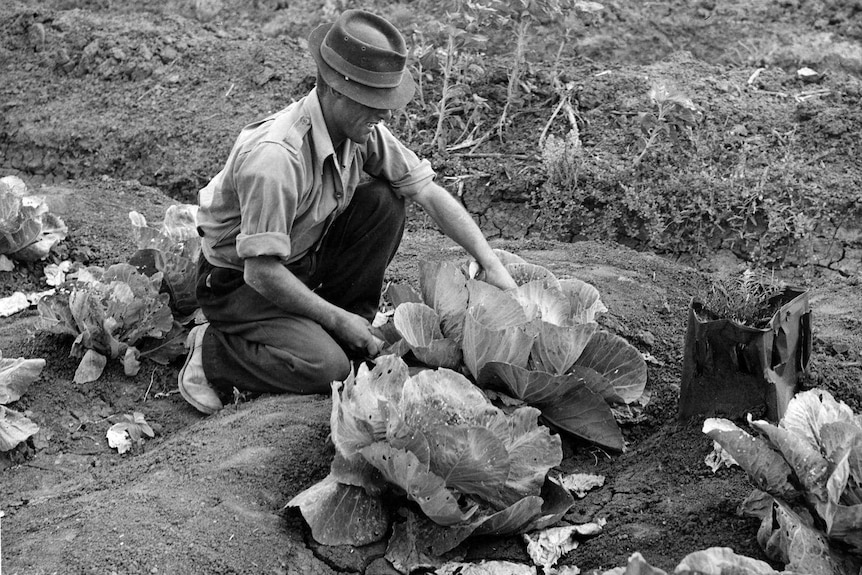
(16, 376)
(432, 439)
(116, 312)
(810, 463)
(173, 250)
(27, 230)
(539, 343)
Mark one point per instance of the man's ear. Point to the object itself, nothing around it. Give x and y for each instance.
(329, 93)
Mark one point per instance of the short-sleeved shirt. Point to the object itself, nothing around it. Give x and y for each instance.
(283, 184)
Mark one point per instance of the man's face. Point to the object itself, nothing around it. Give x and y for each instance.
(354, 121)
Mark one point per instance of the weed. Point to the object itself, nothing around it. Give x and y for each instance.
(520, 16)
(673, 116)
(748, 298)
(461, 31)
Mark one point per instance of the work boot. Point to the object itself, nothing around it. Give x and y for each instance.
(193, 384)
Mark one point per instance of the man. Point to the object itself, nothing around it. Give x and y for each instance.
(295, 243)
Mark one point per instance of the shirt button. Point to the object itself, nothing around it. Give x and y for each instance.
(305, 120)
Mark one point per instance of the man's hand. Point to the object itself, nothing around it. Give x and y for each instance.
(498, 275)
(355, 331)
(454, 220)
(275, 282)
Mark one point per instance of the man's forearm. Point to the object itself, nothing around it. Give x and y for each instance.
(272, 280)
(454, 221)
(279, 285)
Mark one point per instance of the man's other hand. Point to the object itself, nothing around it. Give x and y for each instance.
(355, 331)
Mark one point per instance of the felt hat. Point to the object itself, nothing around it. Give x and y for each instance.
(364, 57)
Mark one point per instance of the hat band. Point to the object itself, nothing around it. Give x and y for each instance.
(364, 76)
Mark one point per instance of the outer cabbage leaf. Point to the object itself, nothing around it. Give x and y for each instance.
(15, 428)
(358, 416)
(810, 410)
(55, 315)
(16, 376)
(584, 300)
(403, 468)
(419, 325)
(441, 397)
(810, 467)
(507, 257)
(843, 522)
(444, 288)
(166, 349)
(398, 294)
(557, 348)
(172, 250)
(52, 232)
(493, 307)
(619, 361)
(531, 447)
(723, 560)
(469, 459)
(540, 302)
(540, 387)
(91, 367)
(584, 414)
(789, 538)
(528, 514)
(27, 230)
(524, 273)
(844, 437)
(417, 543)
(515, 518)
(341, 514)
(763, 464)
(483, 344)
(530, 386)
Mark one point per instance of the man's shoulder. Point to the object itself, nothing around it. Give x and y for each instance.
(286, 128)
(290, 127)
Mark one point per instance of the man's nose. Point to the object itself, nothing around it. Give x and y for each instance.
(384, 115)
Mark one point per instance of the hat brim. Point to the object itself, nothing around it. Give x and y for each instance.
(378, 98)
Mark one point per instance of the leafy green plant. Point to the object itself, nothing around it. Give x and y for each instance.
(721, 195)
(461, 31)
(520, 16)
(538, 344)
(172, 249)
(747, 298)
(28, 230)
(432, 441)
(116, 313)
(808, 475)
(16, 376)
(673, 116)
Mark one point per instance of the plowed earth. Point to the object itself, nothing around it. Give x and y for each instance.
(114, 108)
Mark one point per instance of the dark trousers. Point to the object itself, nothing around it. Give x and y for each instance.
(253, 345)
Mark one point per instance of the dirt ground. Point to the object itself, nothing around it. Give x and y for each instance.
(109, 108)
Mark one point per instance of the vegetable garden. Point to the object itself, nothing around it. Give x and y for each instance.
(624, 157)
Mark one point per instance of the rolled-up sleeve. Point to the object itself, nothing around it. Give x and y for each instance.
(268, 183)
(388, 159)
